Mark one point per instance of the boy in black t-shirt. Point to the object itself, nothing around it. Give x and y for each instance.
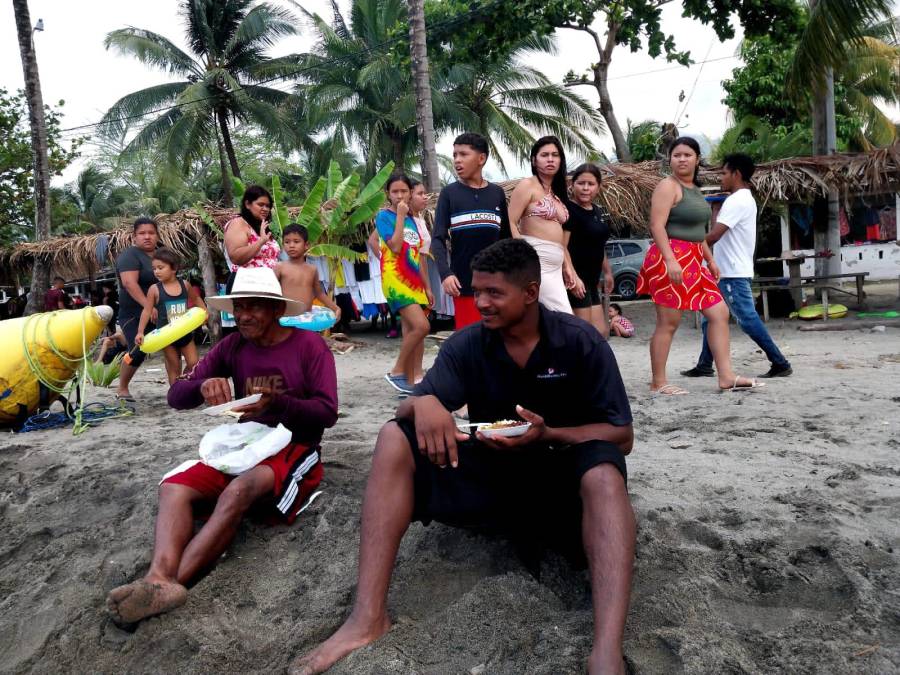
(562, 482)
(471, 215)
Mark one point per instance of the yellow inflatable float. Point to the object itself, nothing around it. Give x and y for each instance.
(44, 348)
(184, 324)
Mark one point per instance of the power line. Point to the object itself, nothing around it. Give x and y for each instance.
(679, 67)
(447, 23)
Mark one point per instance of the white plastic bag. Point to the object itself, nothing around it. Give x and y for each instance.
(236, 448)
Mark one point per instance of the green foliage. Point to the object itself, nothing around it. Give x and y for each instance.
(834, 30)
(238, 187)
(17, 164)
(309, 217)
(103, 374)
(209, 221)
(511, 103)
(643, 139)
(755, 137)
(223, 81)
(758, 89)
(336, 252)
(496, 28)
(280, 217)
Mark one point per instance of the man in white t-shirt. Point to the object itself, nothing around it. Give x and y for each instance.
(734, 236)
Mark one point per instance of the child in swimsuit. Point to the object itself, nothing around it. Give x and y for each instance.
(169, 297)
(618, 324)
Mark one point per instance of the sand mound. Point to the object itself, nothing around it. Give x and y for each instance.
(768, 538)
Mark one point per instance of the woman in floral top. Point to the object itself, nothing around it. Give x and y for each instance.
(248, 241)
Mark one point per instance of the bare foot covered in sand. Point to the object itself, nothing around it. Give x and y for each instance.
(348, 638)
(140, 599)
(607, 663)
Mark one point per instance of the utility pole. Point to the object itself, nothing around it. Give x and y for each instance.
(422, 86)
(40, 277)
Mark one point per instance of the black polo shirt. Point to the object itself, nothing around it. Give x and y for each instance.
(571, 378)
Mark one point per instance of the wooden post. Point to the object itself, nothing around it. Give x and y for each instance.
(785, 237)
(208, 270)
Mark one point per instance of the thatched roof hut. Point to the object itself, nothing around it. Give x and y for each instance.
(627, 188)
(626, 195)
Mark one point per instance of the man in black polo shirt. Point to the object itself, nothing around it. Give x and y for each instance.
(564, 476)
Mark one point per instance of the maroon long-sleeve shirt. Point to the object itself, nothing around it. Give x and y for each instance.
(300, 370)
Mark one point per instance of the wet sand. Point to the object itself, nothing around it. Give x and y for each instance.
(768, 537)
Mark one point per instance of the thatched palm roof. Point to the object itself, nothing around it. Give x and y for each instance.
(626, 195)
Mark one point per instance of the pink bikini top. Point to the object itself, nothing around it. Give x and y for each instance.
(549, 208)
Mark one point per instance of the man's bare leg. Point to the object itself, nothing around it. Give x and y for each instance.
(608, 532)
(177, 557)
(216, 535)
(159, 591)
(387, 510)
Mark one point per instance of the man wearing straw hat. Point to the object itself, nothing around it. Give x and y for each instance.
(294, 372)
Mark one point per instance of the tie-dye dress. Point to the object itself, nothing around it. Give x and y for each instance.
(401, 279)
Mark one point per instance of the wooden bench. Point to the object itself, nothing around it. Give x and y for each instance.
(824, 282)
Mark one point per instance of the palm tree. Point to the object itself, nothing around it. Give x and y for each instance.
(643, 140)
(356, 90)
(353, 86)
(836, 28)
(870, 76)
(40, 277)
(224, 78)
(755, 137)
(509, 102)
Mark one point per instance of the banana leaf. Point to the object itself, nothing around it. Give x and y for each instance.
(280, 217)
(367, 210)
(336, 252)
(334, 179)
(375, 185)
(343, 195)
(309, 214)
(238, 188)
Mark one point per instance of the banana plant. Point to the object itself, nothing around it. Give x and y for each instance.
(338, 218)
(279, 218)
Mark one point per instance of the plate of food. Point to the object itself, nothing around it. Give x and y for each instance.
(225, 408)
(504, 428)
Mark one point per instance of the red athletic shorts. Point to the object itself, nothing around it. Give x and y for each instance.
(298, 471)
(464, 312)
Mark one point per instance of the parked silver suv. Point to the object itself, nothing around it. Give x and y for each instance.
(626, 257)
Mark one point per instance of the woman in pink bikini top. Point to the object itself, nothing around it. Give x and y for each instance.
(549, 207)
(537, 213)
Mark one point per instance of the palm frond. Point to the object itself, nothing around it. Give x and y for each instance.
(153, 50)
(833, 27)
(120, 115)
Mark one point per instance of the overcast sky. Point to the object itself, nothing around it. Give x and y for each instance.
(75, 67)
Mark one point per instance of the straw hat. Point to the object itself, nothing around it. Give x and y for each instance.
(255, 282)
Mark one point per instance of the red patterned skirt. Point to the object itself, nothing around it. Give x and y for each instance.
(697, 290)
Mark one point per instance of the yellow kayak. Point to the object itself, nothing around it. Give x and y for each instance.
(48, 347)
(813, 312)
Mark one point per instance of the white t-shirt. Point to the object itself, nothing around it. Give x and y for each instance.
(733, 253)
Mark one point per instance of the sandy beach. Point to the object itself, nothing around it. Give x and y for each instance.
(768, 536)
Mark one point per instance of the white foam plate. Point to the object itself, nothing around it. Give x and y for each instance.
(507, 432)
(231, 405)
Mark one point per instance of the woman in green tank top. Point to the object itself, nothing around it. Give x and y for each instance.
(673, 272)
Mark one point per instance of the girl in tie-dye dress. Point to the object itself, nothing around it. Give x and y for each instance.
(403, 282)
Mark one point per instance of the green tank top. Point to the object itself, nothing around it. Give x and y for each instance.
(689, 217)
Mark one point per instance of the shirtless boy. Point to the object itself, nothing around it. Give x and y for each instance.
(299, 279)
